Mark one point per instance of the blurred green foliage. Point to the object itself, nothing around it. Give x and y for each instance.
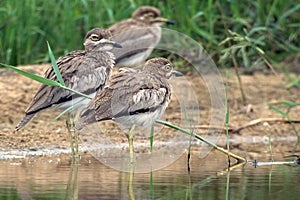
(254, 25)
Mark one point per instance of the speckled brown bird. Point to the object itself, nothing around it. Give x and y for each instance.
(138, 36)
(133, 97)
(86, 71)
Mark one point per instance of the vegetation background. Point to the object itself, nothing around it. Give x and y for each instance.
(251, 31)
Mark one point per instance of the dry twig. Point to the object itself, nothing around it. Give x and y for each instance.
(247, 125)
(263, 120)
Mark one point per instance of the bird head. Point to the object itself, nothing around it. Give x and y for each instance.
(99, 40)
(150, 15)
(162, 67)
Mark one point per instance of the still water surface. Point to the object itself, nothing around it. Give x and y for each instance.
(56, 178)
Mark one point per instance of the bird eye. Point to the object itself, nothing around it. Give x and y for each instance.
(95, 37)
(149, 15)
(168, 67)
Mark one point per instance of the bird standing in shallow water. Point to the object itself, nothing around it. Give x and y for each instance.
(85, 71)
(138, 35)
(132, 97)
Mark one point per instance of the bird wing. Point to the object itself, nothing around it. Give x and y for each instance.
(134, 38)
(79, 73)
(131, 93)
(123, 25)
(99, 106)
(128, 93)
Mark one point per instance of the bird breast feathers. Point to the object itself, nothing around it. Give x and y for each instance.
(150, 97)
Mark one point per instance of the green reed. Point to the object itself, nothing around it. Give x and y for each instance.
(271, 26)
(227, 116)
(287, 105)
(42, 79)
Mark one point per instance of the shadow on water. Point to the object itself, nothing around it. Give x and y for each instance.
(57, 177)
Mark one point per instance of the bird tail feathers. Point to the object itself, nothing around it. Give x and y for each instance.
(24, 121)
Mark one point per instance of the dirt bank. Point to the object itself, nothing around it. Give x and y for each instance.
(16, 92)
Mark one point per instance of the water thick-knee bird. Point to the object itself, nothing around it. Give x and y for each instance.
(85, 71)
(132, 97)
(138, 35)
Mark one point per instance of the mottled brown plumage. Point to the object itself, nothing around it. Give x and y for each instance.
(133, 96)
(138, 36)
(141, 17)
(86, 71)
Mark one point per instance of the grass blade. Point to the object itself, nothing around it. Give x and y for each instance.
(294, 83)
(188, 132)
(54, 65)
(270, 147)
(289, 103)
(151, 137)
(284, 114)
(227, 114)
(76, 92)
(227, 185)
(151, 186)
(43, 80)
(58, 74)
(189, 123)
(33, 76)
(67, 110)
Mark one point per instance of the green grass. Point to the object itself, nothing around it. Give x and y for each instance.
(288, 105)
(198, 137)
(227, 116)
(54, 66)
(271, 26)
(42, 79)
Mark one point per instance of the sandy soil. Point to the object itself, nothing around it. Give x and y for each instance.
(17, 91)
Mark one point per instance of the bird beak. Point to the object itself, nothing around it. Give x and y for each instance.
(113, 43)
(166, 21)
(116, 45)
(177, 73)
(170, 22)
